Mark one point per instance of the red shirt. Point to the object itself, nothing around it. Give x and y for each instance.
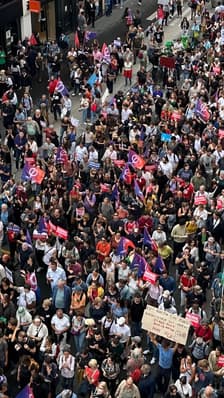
(187, 282)
(203, 332)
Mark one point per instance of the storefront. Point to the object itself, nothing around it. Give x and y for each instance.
(65, 16)
(44, 22)
(55, 17)
(10, 14)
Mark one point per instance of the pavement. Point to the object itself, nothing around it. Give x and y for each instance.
(171, 33)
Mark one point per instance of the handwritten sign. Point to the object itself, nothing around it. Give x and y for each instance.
(194, 319)
(162, 323)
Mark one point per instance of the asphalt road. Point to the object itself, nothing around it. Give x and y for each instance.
(107, 29)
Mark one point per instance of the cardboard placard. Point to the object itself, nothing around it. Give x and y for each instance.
(162, 323)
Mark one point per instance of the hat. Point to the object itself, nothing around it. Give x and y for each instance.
(21, 310)
(121, 321)
(166, 293)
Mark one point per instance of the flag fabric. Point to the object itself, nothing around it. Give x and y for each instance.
(135, 160)
(42, 227)
(28, 238)
(92, 79)
(57, 231)
(123, 246)
(105, 188)
(32, 173)
(25, 176)
(13, 228)
(94, 165)
(159, 266)
(126, 175)
(140, 263)
(115, 193)
(60, 87)
(26, 392)
(148, 241)
(90, 35)
(61, 156)
(106, 53)
(76, 40)
(62, 233)
(138, 191)
(201, 111)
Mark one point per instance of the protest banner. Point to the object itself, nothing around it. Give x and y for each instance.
(194, 319)
(164, 324)
(150, 276)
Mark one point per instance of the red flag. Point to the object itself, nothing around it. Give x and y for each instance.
(76, 40)
(62, 233)
(40, 174)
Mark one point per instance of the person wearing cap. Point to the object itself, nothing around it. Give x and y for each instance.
(24, 318)
(66, 366)
(167, 303)
(123, 331)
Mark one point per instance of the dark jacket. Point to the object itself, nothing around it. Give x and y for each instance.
(146, 386)
(67, 297)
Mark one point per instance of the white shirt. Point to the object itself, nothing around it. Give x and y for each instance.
(37, 331)
(67, 366)
(184, 389)
(60, 323)
(124, 331)
(80, 153)
(26, 299)
(59, 273)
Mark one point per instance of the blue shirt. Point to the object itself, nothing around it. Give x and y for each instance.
(165, 357)
(168, 284)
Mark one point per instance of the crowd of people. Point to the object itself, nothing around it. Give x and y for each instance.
(95, 226)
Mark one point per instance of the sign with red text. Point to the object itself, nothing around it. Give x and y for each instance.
(164, 324)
